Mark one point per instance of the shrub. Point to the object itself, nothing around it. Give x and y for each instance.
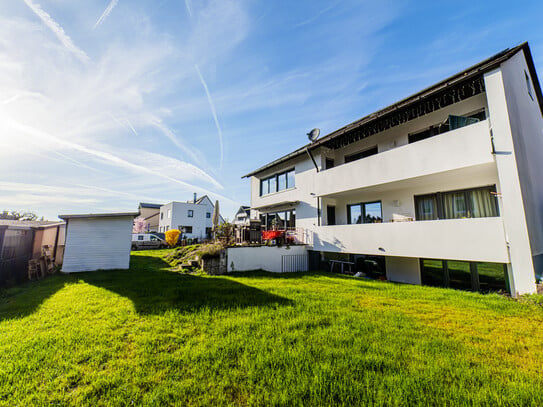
(172, 236)
(210, 250)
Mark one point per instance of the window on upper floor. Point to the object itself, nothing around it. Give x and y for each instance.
(208, 215)
(453, 122)
(190, 213)
(161, 215)
(360, 154)
(328, 163)
(169, 213)
(366, 212)
(529, 85)
(467, 203)
(277, 182)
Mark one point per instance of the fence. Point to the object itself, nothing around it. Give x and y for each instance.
(294, 262)
(15, 251)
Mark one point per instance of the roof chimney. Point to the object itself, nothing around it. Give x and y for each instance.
(195, 197)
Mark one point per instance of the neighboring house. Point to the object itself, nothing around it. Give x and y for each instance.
(150, 212)
(97, 241)
(194, 219)
(442, 186)
(22, 240)
(242, 216)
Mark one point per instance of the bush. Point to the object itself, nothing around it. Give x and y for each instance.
(172, 236)
(210, 250)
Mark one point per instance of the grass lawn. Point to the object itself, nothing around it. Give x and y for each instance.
(150, 336)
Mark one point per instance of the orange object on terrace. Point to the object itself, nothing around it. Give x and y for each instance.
(271, 234)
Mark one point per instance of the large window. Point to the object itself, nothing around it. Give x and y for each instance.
(368, 212)
(279, 220)
(277, 182)
(468, 203)
(463, 275)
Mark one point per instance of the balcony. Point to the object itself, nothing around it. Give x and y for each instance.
(465, 147)
(474, 239)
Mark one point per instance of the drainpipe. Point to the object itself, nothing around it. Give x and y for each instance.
(312, 159)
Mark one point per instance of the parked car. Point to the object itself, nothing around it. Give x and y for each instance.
(147, 241)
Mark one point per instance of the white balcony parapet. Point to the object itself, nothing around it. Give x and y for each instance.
(475, 239)
(464, 147)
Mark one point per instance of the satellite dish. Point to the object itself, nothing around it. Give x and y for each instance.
(313, 135)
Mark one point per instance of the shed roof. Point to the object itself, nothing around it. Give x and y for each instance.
(35, 224)
(99, 215)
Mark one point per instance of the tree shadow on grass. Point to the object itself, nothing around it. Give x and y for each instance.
(154, 289)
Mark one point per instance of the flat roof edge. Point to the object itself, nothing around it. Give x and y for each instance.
(98, 215)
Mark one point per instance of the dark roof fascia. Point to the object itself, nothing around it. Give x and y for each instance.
(477, 69)
(533, 74)
(149, 205)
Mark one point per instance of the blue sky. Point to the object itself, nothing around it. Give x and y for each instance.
(107, 103)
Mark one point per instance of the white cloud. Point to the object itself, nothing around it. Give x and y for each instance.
(214, 114)
(57, 30)
(106, 13)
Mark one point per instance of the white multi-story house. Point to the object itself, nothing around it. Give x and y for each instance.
(193, 218)
(441, 188)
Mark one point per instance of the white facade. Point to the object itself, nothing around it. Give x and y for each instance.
(502, 152)
(194, 219)
(97, 242)
(267, 258)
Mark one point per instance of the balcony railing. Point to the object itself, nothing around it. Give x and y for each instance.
(472, 239)
(464, 147)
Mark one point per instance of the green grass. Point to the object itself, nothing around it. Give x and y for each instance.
(151, 336)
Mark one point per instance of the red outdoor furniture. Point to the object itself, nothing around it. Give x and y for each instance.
(272, 234)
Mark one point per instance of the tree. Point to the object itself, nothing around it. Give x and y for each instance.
(172, 236)
(16, 215)
(139, 225)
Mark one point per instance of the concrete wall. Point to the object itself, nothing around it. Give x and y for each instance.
(527, 131)
(100, 243)
(522, 279)
(266, 258)
(464, 147)
(474, 239)
(403, 269)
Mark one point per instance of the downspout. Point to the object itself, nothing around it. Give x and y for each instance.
(312, 159)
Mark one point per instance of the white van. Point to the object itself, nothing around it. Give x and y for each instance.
(147, 241)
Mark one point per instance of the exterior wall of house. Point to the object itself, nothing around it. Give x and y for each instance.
(303, 193)
(101, 243)
(522, 279)
(152, 217)
(502, 151)
(526, 124)
(178, 216)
